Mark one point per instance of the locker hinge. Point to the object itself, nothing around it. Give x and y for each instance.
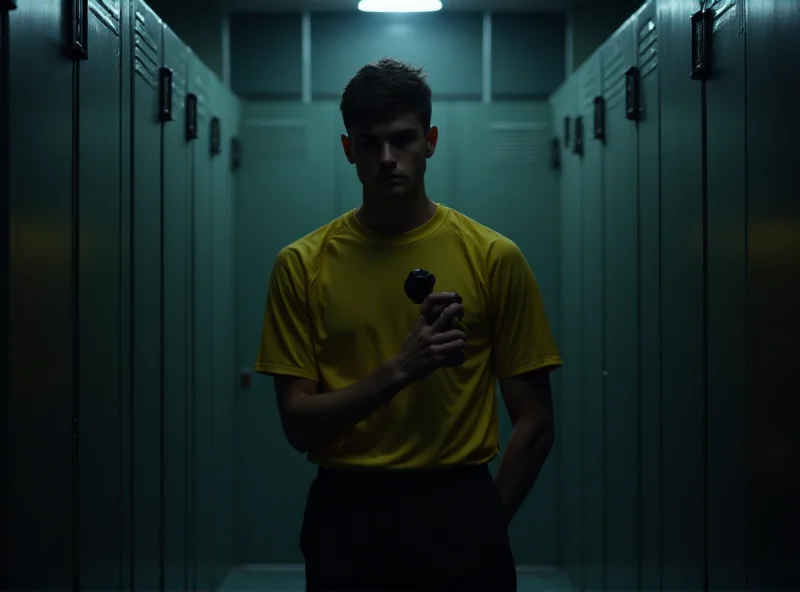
(599, 119)
(567, 131)
(632, 94)
(8, 5)
(236, 153)
(165, 94)
(555, 154)
(216, 136)
(702, 26)
(577, 147)
(191, 117)
(80, 29)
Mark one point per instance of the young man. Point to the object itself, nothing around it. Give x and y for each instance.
(370, 384)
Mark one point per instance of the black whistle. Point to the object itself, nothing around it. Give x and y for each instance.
(418, 286)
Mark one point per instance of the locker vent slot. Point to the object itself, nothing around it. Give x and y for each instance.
(519, 144)
(724, 11)
(648, 48)
(614, 68)
(590, 88)
(107, 12)
(280, 139)
(145, 56)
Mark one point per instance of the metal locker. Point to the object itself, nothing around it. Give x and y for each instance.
(147, 388)
(203, 323)
(565, 104)
(590, 83)
(773, 283)
(682, 311)
(99, 277)
(620, 251)
(177, 258)
(39, 478)
(726, 353)
(643, 108)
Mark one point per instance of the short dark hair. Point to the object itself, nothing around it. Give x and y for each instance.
(384, 90)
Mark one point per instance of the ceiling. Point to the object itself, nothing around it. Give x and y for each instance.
(329, 5)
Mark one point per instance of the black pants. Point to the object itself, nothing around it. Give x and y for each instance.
(410, 530)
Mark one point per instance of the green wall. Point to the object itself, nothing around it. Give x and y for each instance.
(492, 164)
(117, 395)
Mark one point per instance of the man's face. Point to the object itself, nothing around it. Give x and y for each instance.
(391, 157)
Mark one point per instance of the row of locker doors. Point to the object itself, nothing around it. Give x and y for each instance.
(679, 283)
(118, 183)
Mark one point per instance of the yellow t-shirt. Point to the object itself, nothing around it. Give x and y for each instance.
(336, 310)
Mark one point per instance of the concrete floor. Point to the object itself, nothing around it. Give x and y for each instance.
(290, 578)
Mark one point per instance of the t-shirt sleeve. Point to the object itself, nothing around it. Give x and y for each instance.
(521, 337)
(286, 345)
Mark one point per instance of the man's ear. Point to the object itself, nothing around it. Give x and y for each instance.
(433, 138)
(346, 145)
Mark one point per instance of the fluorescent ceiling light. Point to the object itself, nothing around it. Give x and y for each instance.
(400, 5)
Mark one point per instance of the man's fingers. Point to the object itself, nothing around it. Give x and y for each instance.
(435, 303)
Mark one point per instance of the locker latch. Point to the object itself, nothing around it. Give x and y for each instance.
(191, 117)
(165, 94)
(8, 5)
(578, 145)
(216, 136)
(599, 119)
(702, 26)
(632, 94)
(555, 154)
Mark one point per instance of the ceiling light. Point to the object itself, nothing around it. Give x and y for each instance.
(400, 5)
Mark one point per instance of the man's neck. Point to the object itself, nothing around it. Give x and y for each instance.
(395, 215)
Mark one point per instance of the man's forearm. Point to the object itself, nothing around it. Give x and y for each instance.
(520, 465)
(314, 419)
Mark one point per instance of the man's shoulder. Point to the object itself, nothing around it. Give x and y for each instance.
(306, 249)
(484, 240)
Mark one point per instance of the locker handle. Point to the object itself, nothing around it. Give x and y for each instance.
(165, 94)
(600, 119)
(191, 117)
(216, 136)
(555, 154)
(578, 145)
(80, 29)
(236, 153)
(702, 25)
(632, 94)
(8, 5)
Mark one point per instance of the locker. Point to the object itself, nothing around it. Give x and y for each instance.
(39, 477)
(569, 402)
(201, 538)
(682, 305)
(590, 83)
(5, 569)
(146, 301)
(647, 117)
(98, 275)
(773, 283)
(726, 207)
(620, 312)
(177, 250)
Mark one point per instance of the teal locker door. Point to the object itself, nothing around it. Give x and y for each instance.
(620, 309)
(39, 483)
(203, 324)
(682, 295)
(773, 283)
(177, 321)
(5, 568)
(569, 401)
(146, 304)
(590, 81)
(647, 33)
(727, 308)
(99, 278)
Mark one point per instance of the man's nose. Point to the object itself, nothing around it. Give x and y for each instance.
(387, 156)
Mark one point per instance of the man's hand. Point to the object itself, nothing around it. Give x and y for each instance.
(433, 340)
